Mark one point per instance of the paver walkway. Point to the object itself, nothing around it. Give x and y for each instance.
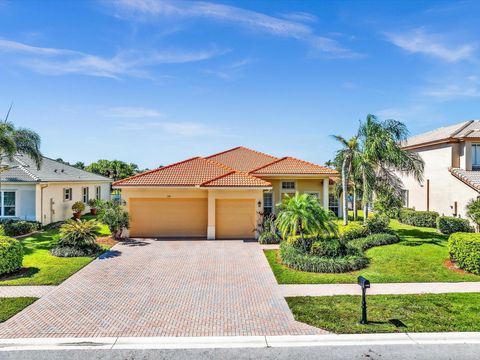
(25, 291)
(164, 288)
(378, 289)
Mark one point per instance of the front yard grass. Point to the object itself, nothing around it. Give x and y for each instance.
(11, 306)
(418, 257)
(42, 268)
(390, 313)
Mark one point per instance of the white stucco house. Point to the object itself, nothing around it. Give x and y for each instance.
(46, 195)
(452, 169)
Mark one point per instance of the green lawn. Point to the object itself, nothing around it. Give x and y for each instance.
(42, 268)
(11, 306)
(418, 257)
(390, 313)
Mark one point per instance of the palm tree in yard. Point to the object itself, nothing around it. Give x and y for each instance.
(347, 157)
(302, 215)
(381, 157)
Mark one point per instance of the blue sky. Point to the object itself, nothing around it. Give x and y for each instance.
(153, 82)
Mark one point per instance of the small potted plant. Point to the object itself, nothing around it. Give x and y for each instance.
(77, 208)
(93, 203)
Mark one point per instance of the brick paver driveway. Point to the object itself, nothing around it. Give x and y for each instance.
(164, 288)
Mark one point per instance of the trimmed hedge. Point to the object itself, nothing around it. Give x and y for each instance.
(464, 249)
(448, 225)
(19, 227)
(374, 240)
(329, 248)
(418, 218)
(352, 231)
(11, 255)
(377, 224)
(298, 260)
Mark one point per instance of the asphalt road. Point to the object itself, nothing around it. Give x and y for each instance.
(377, 352)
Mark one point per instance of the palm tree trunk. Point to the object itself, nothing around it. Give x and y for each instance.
(354, 202)
(365, 197)
(345, 191)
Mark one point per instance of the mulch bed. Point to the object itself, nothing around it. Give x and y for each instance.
(450, 265)
(107, 240)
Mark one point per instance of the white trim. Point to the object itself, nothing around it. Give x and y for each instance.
(1, 204)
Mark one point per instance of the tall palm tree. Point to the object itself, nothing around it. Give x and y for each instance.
(346, 156)
(381, 157)
(303, 215)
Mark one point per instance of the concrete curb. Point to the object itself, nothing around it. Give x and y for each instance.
(224, 342)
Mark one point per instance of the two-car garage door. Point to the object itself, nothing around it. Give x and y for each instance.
(178, 217)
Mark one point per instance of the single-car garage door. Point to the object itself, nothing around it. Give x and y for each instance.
(235, 218)
(168, 217)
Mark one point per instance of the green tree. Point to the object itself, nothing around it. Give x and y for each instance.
(303, 215)
(113, 169)
(346, 157)
(114, 216)
(381, 157)
(79, 165)
(473, 211)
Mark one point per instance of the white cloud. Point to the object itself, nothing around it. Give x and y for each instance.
(420, 42)
(300, 16)
(249, 19)
(131, 112)
(53, 61)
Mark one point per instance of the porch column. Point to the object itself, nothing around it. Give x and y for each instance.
(325, 192)
(211, 216)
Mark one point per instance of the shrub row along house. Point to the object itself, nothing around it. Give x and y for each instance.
(452, 169)
(46, 195)
(220, 196)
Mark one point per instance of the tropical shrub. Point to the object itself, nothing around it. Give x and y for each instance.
(78, 238)
(353, 230)
(330, 248)
(268, 232)
(303, 215)
(388, 203)
(464, 249)
(11, 255)
(19, 227)
(78, 207)
(297, 259)
(448, 225)
(473, 211)
(374, 240)
(378, 223)
(115, 217)
(418, 218)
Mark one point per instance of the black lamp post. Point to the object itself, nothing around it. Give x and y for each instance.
(364, 284)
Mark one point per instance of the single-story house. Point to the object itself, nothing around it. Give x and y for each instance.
(221, 196)
(47, 194)
(452, 169)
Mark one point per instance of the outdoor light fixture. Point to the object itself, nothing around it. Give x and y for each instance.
(364, 284)
(259, 203)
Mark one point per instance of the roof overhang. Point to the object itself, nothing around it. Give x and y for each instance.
(192, 187)
(297, 176)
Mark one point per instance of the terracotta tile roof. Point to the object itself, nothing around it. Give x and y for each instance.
(469, 177)
(236, 167)
(290, 165)
(243, 159)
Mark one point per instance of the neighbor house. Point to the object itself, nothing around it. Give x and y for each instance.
(452, 169)
(47, 194)
(221, 196)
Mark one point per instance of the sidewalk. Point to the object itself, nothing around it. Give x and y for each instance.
(25, 291)
(224, 342)
(379, 289)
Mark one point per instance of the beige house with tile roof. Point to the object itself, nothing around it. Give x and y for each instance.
(452, 169)
(221, 196)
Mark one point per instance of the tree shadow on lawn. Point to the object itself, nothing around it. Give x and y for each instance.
(21, 273)
(417, 237)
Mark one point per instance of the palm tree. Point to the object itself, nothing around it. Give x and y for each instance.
(346, 156)
(381, 156)
(303, 215)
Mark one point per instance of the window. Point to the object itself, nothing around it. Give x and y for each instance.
(475, 156)
(98, 192)
(315, 194)
(8, 203)
(333, 203)
(85, 194)
(267, 203)
(67, 194)
(288, 185)
(405, 198)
